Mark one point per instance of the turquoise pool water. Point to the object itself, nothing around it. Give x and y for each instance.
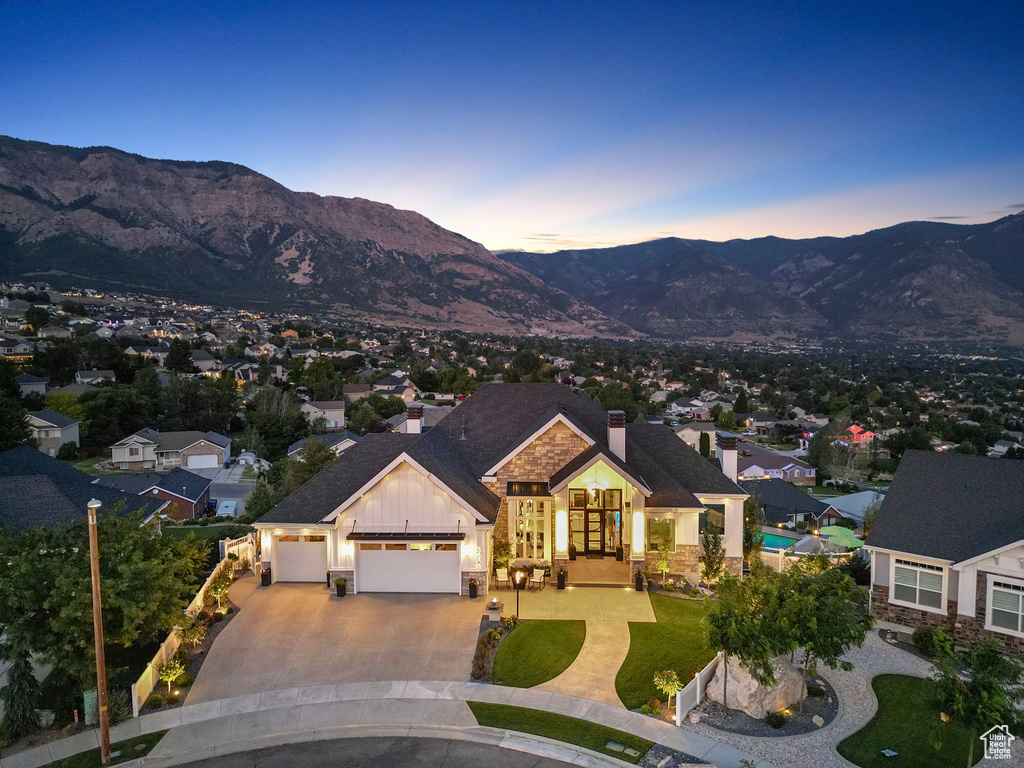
(773, 541)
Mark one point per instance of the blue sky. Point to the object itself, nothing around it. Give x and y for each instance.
(554, 124)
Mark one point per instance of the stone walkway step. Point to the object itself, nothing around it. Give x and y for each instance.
(401, 708)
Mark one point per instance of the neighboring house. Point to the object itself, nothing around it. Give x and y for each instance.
(853, 505)
(353, 392)
(947, 548)
(30, 385)
(690, 433)
(339, 441)
(94, 377)
(760, 422)
(860, 438)
(51, 430)
(758, 463)
(999, 450)
(689, 408)
(782, 503)
(187, 493)
(75, 390)
(54, 332)
(331, 411)
(36, 490)
(539, 465)
(13, 349)
(149, 449)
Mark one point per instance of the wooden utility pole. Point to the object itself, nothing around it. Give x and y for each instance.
(97, 626)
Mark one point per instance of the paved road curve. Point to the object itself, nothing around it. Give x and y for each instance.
(375, 753)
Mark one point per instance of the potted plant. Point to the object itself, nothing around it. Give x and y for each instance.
(638, 580)
(473, 587)
(562, 574)
(340, 586)
(265, 576)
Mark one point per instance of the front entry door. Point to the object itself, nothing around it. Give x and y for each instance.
(595, 532)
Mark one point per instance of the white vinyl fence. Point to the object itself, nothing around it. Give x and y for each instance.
(783, 559)
(147, 682)
(692, 694)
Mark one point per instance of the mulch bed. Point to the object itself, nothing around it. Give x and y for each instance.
(734, 721)
(486, 624)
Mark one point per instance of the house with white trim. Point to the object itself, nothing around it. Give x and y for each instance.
(150, 449)
(540, 466)
(947, 548)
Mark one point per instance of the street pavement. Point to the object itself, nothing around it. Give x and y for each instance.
(376, 752)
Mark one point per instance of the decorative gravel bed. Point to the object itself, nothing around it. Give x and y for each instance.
(825, 706)
(660, 756)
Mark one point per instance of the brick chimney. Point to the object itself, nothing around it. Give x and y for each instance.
(617, 433)
(414, 420)
(725, 452)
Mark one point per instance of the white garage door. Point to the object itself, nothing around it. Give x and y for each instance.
(203, 461)
(408, 567)
(300, 558)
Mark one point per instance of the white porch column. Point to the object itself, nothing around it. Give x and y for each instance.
(967, 591)
(733, 539)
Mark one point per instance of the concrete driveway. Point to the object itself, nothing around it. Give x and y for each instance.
(290, 635)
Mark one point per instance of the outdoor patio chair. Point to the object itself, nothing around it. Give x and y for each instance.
(502, 576)
(538, 577)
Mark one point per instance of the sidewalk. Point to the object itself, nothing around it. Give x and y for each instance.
(413, 708)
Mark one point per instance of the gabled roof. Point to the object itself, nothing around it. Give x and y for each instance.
(592, 454)
(326, 405)
(36, 490)
(331, 440)
(951, 507)
(764, 458)
(176, 441)
(180, 482)
(663, 458)
(53, 417)
(28, 378)
(779, 499)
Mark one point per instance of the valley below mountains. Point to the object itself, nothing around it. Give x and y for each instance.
(217, 232)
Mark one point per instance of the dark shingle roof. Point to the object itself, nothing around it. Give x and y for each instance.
(764, 458)
(778, 499)
(54, 418)
(178, 481)
(28, 378)
(331, 439)
(951, 506)
(178, 441)
(36, 490)
(650, 444)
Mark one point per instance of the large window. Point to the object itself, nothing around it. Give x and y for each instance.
(529, 518)
(917, 584)
(1006, 606)
(661, 531)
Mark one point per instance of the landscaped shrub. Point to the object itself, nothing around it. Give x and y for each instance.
(119, 705)
(650, 709)
(801, 525)
(156, 701)
(493, 636)
(775, 719)
(510, 622)
(185, 680)
(857, 569)
(815, 690)
(483, 658)
(931, 641)
(68, 452)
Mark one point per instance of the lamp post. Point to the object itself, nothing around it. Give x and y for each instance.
(97, 625)
(519, 576)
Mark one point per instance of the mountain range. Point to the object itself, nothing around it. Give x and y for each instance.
(221, 232)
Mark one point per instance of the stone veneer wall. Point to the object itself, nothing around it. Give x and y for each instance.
(536, 463)
(349, 575)
(965, 630)
(480, 576)
(685, 561)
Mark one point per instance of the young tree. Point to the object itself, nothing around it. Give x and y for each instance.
(753, 537)
(179, 357)
(667, 681)
(663, 563)
(871, 513)
(219, 588)
(987, 694)
(742, 403)
(37, 317)
(13, 423)
(712, 557)
(705, 444)
(20, 697)
(170, 670)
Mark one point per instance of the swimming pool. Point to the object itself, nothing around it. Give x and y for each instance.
(774, 541)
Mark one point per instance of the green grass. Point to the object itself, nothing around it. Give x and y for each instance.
(212, 532)
(678, 640)
(537, 651)
(570, 730)
(88, 465)
(130, 749)
(908, 722)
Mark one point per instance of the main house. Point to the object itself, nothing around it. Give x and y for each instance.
(541, 466)
(947, 548)
(149, 449)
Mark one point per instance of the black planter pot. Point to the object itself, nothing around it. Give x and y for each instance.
(473, 588)
(561, 579)
(572, 553)
(639, 582)
(265, 577)
(341, 589)
(618, 554)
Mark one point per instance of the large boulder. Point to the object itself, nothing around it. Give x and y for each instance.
(747, 695)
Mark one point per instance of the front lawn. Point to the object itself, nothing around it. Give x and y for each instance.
(537, 651)
(130, 749)
(908, 722)
(677, 640)
(571, 730)
(88, 464)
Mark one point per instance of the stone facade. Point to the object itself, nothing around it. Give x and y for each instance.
(734, 565)
(965, 630)
(349, 576)
(536, 463)
(685, 561)
(480, 576)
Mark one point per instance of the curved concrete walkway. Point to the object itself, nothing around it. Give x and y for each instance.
(400, 708)
(857, 705)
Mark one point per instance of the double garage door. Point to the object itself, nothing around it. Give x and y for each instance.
(408, 567)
